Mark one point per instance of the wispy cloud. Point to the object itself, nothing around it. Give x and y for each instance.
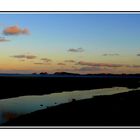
(98, 64)
(25, 56)
(19, 56)
(15, 30)
(61, 64)
(89, 69)
(30, 56)
(46, 59)
(86, 70)
(135, 66)
(76, 50)
(92, 64)
(70, 61)
(111, 54)
(3, 39)
(39, 63)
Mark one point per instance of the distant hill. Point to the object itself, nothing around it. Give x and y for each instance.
(100, 74)
(65, 73)
(42, 73)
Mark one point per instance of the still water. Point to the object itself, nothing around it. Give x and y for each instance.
(13, 107)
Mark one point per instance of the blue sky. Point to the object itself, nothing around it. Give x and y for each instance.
(52, 35)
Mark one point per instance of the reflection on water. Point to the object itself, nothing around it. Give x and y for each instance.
(13, 107)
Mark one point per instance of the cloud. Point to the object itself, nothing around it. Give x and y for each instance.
(86, 70)
(46, 59)
(61, 64)
(111, 54)
(70, 61)
(90, 64)
(89, 69)
(138, 54)
(92, 70)
(135, 66)
(15, 30)
(31, 56)
(25, 56)
(98, 64)
(76, 50)
(39, 63)
(19, 56)
(2, 39)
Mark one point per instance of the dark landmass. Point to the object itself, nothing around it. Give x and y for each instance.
(42, 73)
(66, 73)
(113, 110)
(35, 84)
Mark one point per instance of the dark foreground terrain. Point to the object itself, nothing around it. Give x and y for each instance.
(13, 86)
(113, 110)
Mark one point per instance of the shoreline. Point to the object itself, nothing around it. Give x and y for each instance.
(120, 109)
(22, 86)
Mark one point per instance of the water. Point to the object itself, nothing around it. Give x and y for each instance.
(14, 107)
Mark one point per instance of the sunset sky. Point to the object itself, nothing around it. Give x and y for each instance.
(79, 43)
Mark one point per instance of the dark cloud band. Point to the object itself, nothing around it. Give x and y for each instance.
(25, 56)
(76, 50)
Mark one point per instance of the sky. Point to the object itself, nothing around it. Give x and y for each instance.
(78, 43)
